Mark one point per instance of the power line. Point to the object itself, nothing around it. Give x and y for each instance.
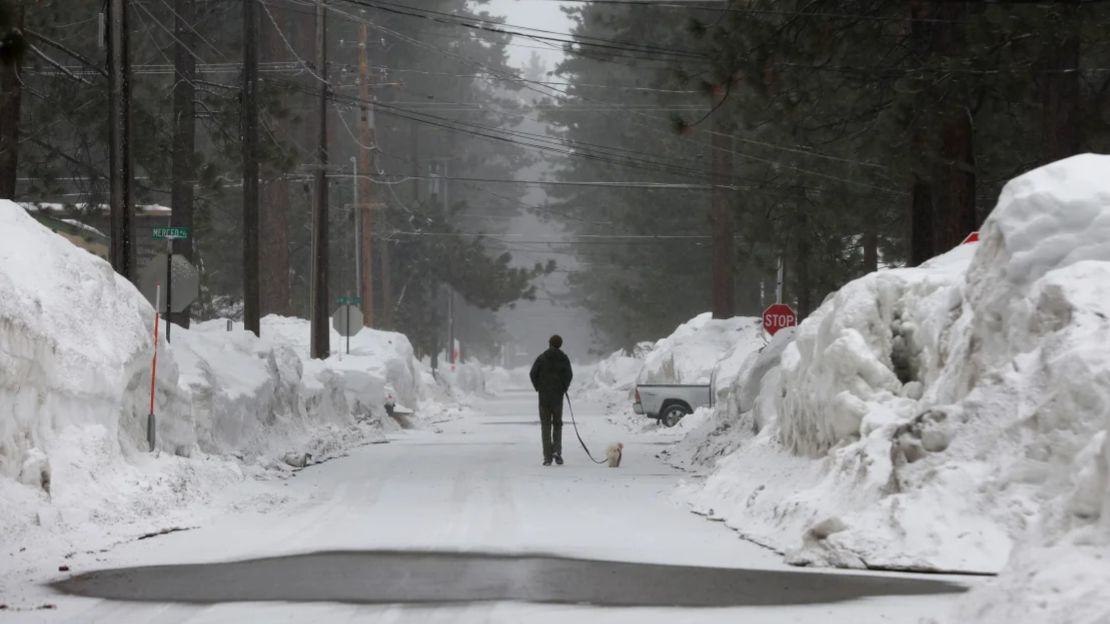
(192, 27)
(509, 29)
(687, 171)
(594, 183)
(562, 92)
(168, 31)
(578, 238)
(289, 46)
(613, 156)
(677, 4)
(524, 139)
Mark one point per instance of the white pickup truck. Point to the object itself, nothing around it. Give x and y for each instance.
(668, 403)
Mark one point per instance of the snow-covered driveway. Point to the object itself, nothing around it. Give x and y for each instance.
(477, 486)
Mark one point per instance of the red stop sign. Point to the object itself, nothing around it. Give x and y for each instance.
(778, 316)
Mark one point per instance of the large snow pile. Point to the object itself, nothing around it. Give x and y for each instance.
(258, 398)
(935, 417)
(703, 350)
(76, 348)
(380, 363)
(75, 356)
(618, 372)
(719, 432)
(694, 352)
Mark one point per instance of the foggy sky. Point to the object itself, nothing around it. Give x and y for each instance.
(533, 14)
(531, 323)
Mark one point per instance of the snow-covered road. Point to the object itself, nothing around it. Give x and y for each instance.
(476, 486)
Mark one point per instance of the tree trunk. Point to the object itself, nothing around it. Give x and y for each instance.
(184, 135)
(274, 200)
(251, 235)
(954, 198)
(954, 174)
(1059, 91)
(871, 244)
(320, 339)
(368, 204)
(11, 101)
(803, 287)
(922, 243)
(274, 231)
(922, 234)
(386, 267)
(120, 170)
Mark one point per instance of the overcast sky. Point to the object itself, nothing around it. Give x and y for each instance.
(543, 14)
(530, 323)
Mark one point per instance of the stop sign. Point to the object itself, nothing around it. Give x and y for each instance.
(778, 316)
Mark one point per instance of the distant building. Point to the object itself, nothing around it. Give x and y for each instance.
(89, 227)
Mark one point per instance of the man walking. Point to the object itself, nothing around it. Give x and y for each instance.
(551, 375)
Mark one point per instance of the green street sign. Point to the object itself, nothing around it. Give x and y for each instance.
(350, 300)
(171, 233)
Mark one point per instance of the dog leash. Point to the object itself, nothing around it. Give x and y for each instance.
(578, 435)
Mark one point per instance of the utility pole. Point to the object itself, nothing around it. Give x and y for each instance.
(119, 142)
(249, 126)
(720, 214)
(184, 141)
(386, 265)
(450, 292)
(366, 209)
(358, 226)
(320, 337)
(11, 101)
(778, 280)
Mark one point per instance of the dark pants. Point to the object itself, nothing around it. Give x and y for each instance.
(551, 428)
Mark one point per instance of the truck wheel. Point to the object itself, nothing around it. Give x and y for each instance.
(672, 414)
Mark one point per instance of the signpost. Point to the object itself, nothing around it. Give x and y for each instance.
(778, 316)
(347, 319)
(150, 424)
(170, 234)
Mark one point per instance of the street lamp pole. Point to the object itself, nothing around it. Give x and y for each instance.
(358, 225)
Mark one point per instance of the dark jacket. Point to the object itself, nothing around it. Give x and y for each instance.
(551, 375)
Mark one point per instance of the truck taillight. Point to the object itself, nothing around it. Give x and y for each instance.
(637, 395)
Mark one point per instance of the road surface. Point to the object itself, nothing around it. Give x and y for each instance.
(465, 525)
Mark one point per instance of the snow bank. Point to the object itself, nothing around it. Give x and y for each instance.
(380, 363)
(720, 432)
(75, 355)
(935, 417)
(691, 354)
(75, 349)
(619, 371)
(257, 398)
(701, 351)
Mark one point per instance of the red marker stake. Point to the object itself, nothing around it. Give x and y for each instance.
(154, 368)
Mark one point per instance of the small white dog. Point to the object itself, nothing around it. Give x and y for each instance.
(614, 454)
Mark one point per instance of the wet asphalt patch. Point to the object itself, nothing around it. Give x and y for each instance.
(392, 577)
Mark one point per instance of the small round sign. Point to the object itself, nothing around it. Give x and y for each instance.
(778, 316)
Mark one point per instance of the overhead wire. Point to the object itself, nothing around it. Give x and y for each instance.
(564, 93)
(193, 28)
(509, 29)
(289, 46)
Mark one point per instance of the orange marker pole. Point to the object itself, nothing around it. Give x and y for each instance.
(154, 367)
